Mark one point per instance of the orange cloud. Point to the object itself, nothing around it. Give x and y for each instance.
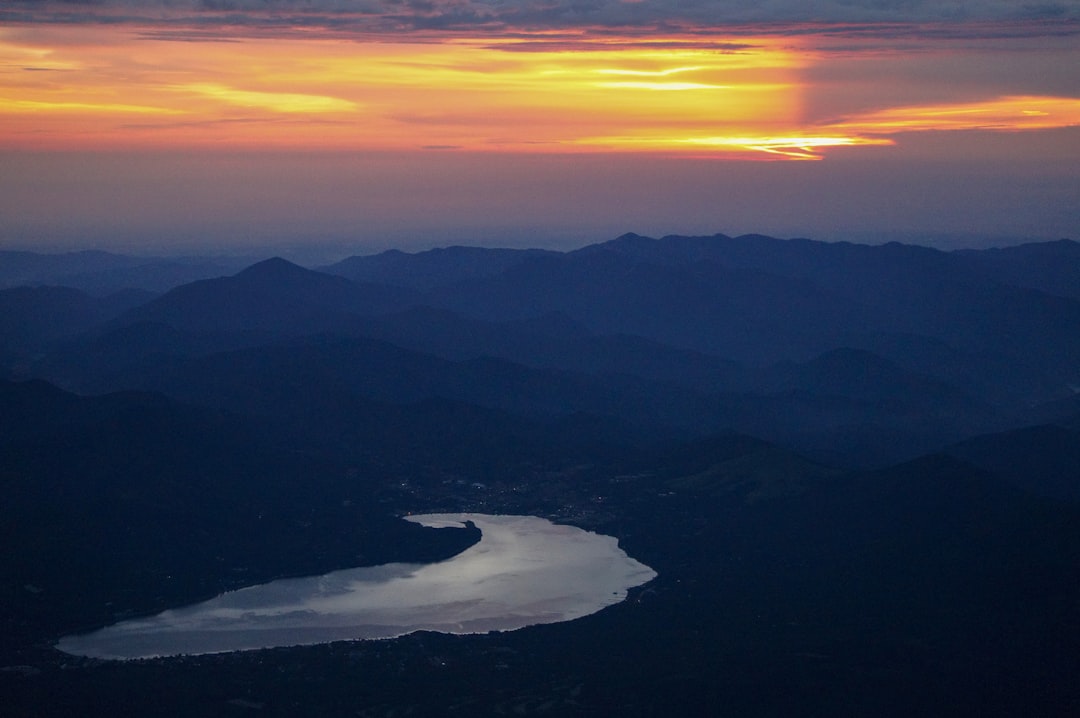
(288, 102)
(999, 114)
(664, 94)
(478, 96)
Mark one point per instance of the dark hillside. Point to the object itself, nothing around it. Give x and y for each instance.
(131, 503)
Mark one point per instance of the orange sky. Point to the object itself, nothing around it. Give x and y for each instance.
(94, 87)
(531, 122)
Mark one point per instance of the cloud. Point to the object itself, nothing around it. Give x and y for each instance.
(531, 16)
(999, 114)
(12, 105)
(288, 102)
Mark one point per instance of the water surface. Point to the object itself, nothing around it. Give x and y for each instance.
(524, 571)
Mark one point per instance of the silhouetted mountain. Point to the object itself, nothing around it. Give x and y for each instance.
(760, 299)
(933, 570)
(734, 466)
(904, 350)
(131, 503)
(696, 398)
(33, 268)
(277, 379)
(735, 315)
(33, 317)
(864, 376)
(1051, 267)
(310, 381)
(101, 273)
(751, 298)
(112, 359)
(433, 268)
(270, 299)
(550, 341)
(1044, 460)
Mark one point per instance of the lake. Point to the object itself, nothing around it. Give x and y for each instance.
(524, 571)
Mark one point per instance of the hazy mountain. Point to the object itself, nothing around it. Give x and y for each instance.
(31, 318)
(1044, 460)
(33, 268)
(264, 302)
(698, 399)
(550, 341)
(272, 298)
(635, 330)
(1051, 267)
(312, 380)
(864, 376)
(732, 314)
(760, 299)
(750, 299)
(101, 273)
(108, 359)
(268, 380)
(958, 316)
(432, 268)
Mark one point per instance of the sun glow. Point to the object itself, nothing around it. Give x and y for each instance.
(67, 87)
(505, 95)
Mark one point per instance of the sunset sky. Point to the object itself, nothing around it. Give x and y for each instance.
(341, 126)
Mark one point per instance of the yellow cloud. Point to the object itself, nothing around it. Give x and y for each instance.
(275, 101)
(1002, 113)
(662, 86)
(650, 73)
(781, 147)
(10, 105)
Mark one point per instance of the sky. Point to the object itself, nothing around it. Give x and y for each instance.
(332, 127)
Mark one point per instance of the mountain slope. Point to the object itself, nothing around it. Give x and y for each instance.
(33, 318)
(101, 273)
(764, 300)
(1052, 267)
(271, 298)
(132, 502)
(433, 268)
(1044, 460)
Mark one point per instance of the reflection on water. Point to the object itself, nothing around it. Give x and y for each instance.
(524, 571)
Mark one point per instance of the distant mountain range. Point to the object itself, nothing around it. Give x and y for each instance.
(854, 469)
(100, 273)
(851, 353)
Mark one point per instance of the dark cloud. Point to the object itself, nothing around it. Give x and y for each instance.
(355, 16)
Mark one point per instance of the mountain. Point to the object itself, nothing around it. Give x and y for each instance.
(749, 299)
(550, 341)
(131, 502)
(1051, 267)
(824, 452)
(890, 351)
(32, 318)
(271, 298)
(1044, 460)
(862, 375)
(749, 316)
(276, 379)
(931, 571)
(433, 268)
(101, 273)
(34, 268)
(763, 300)
(311, 380)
